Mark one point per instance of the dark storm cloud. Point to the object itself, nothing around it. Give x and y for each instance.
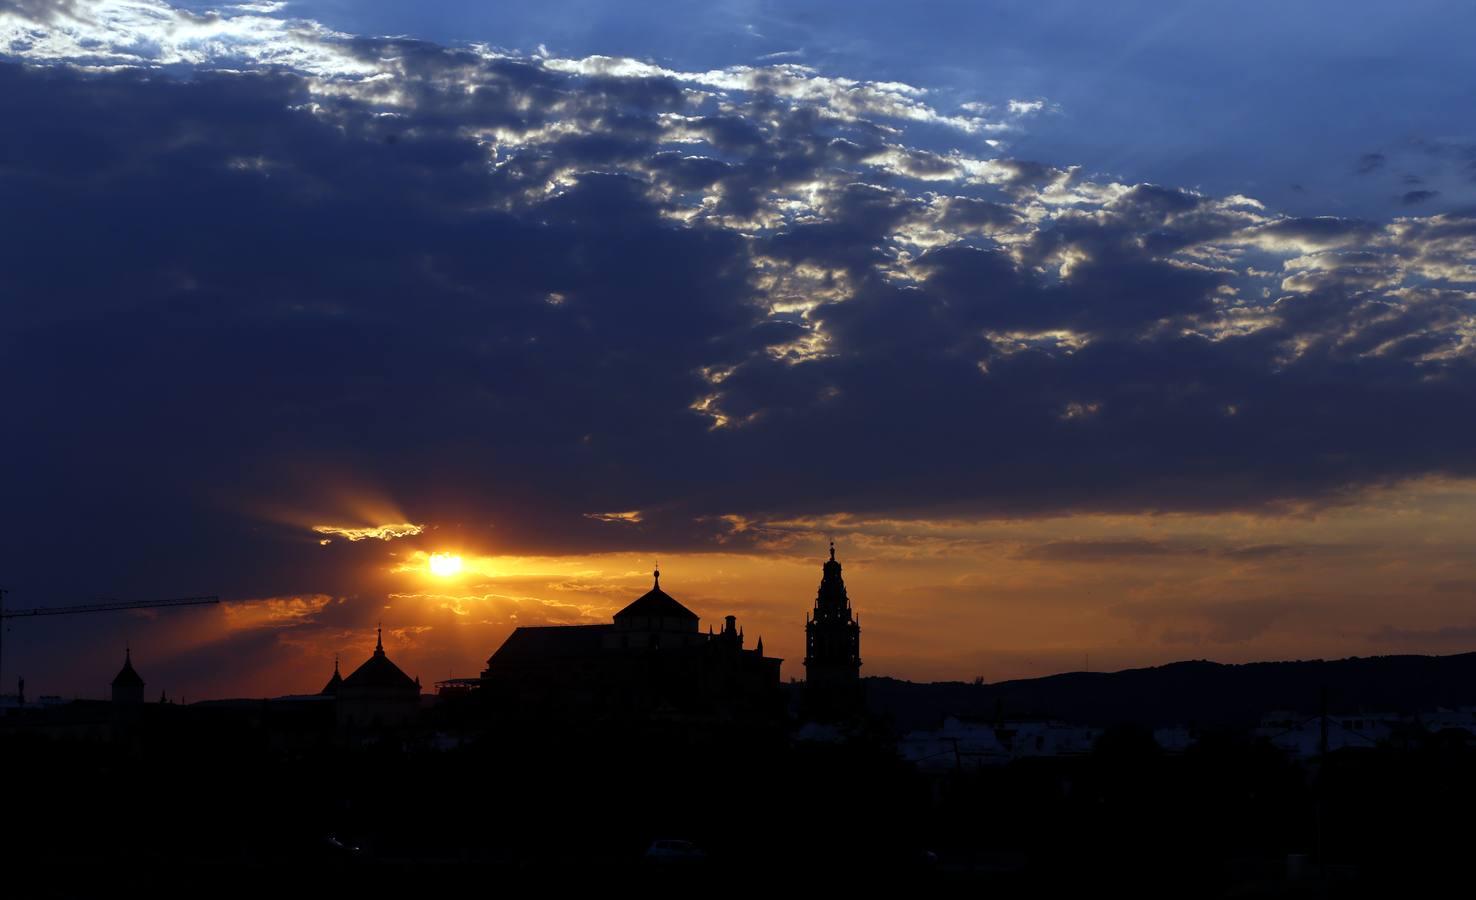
(278, 287)
(1318, 232)
(857, 221)
(964, 214)
(511, 293)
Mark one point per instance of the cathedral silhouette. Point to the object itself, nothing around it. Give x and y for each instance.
(653, 660)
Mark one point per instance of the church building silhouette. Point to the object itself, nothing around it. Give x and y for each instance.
(652, 660)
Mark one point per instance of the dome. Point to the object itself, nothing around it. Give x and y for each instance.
(379, 672)
(832, 567)
(656, 604)
(127, 676)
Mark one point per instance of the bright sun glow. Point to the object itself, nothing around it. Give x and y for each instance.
(445, 564)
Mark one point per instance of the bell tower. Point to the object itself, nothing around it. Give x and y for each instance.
(832, 634)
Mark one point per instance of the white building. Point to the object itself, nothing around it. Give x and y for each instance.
(1174, 738)
(959, 744)
(1461, 719)
(967, 743)
(1302, 736)
(1048, 738)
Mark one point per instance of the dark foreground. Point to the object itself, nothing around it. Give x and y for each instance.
(551, 806)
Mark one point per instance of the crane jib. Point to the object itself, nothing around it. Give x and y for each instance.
(105, 607)
(108, 606)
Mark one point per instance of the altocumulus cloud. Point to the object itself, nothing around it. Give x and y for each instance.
(375, 532)
(519, 290)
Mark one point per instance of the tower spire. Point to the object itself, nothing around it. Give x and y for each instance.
(378, 640)
(833, 641)
(334, 683)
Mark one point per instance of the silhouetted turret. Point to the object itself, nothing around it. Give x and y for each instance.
(832, 648)
(128, 685)
(832, 633)
(334, 683)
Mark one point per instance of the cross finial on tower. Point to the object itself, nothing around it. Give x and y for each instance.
(656, 578)
(379, 638)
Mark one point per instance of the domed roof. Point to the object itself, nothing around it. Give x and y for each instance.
(831, 598)
(379, 672)
(832, 567)
(656, 604)
(126, 676)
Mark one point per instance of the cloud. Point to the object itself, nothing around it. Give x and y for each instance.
(1455, 586)
(1445, 637)
(1258, 552)
(377, 532)
(1104, 551)
(44, 12)
(274, 612)
(510, 290)
(491, 608)
(1131, 549)
(105, 33)
(844, 99)
(1217, 622)
(629, 517)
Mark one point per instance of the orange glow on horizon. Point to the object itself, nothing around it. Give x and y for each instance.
(1393, 570)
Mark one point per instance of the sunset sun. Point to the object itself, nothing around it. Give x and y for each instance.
(445, 565)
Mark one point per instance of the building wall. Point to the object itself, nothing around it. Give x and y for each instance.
(362, 708)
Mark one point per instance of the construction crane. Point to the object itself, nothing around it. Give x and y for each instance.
(106, 606)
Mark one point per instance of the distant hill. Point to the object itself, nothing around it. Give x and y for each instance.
(1199, 692)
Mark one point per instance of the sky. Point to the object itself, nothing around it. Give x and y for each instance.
(1095, 335)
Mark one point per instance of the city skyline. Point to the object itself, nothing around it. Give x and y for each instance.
(1093, 338)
